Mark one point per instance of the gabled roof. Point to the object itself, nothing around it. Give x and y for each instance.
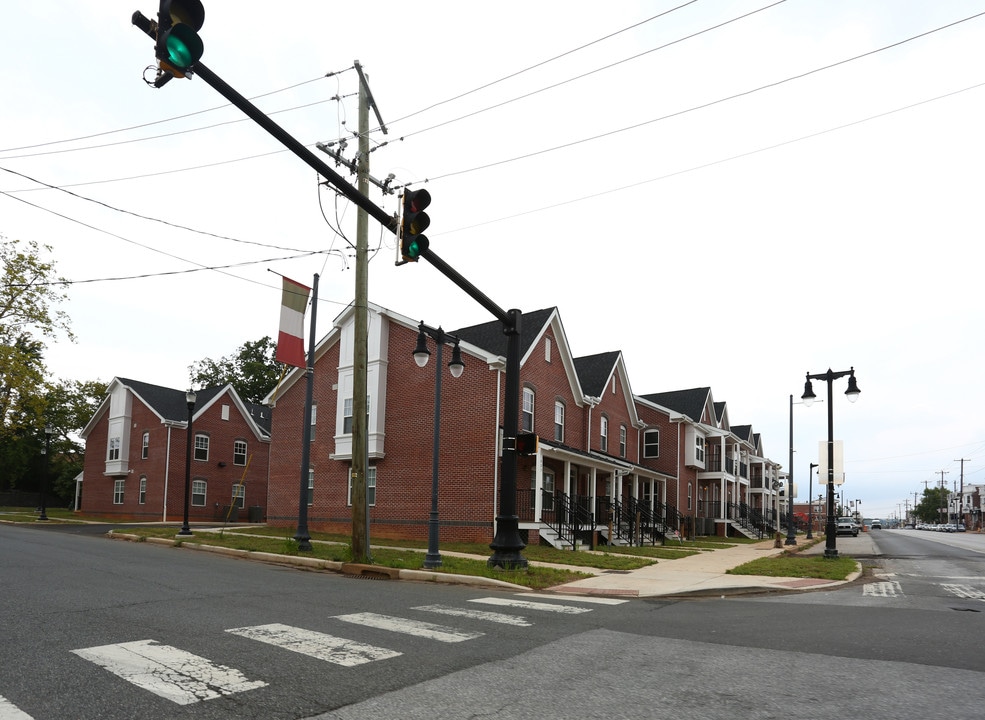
(594, 371)
(169, 403)
(687, 402)
(743, 432)
(170, 406)
(490, 336)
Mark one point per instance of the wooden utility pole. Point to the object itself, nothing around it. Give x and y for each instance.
(360, 407)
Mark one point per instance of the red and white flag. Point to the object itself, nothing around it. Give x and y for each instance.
(290, 339)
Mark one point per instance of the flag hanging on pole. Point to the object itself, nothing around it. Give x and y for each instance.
(290, 339)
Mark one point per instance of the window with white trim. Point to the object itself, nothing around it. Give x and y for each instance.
(651, 443)
(347, 416)
(622, 441)
(145, 446)
(527, 411)
(199, 491)
(311, 485)
(114, 449)
(239, 452)
(370, 487)
(142, 497)
(118, 491)
(559, 421)
(239, 495)
(604, 433)
(699, 448)
(202, 447)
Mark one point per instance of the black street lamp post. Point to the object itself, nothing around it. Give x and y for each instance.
(49, 430)
(421, 354)
(190, 402)
(852, 393)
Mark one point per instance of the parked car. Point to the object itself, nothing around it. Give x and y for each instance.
(846, 526)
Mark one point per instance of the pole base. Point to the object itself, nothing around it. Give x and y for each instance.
(432, 561)
(830, 552)
(507, 545)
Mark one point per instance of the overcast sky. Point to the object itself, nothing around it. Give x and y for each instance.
(732, 193)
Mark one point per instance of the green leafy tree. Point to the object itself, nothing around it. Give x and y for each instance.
(29, 295)
(929, 508)
(252, 370)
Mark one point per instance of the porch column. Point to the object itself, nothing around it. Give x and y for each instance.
(538, 486)
(567, 478)
(722, 499)
(593, 492)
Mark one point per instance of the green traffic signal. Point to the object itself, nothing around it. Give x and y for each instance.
(178, 45)
(415, 221)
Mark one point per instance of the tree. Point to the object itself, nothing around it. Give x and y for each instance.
(252, 370)
(29, 295)
(929, 508)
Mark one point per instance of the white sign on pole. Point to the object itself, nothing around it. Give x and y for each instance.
(839, 464)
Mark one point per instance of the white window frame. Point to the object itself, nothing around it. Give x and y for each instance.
(240, 455)
(622, 441)
(144, 446)
(201, 443)
(119, 486)
(559, 421)
(200, 488)
(113, 451)
(527, 410)
(604, 433)
(370, 486)
(142, 494)
(651, 449)
(239, 495)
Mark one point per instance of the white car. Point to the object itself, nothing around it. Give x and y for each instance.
(846, 526)
(875, 525)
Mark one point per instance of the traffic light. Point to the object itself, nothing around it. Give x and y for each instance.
(413, 224)
(178, 45)
(527, 444)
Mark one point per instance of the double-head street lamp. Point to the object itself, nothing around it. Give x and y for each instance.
(852, 393)
(432, 559)
(190, 402)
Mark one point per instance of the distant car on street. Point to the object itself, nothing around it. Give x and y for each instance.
(846, 526)
(875, 525)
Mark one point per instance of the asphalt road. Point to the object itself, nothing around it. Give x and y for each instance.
(104, 629)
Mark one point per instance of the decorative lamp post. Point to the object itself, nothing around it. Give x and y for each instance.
(190, 402)
(49, 430)
(432, 559)
(810, 501)
(852, 393)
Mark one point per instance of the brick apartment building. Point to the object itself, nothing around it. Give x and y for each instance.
(611, 465)
(135, 454)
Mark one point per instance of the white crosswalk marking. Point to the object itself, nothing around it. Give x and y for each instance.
(174, 674)
(339, 651)
(9, 711)
(888, 588)
(964, 591)
(501, 618)
(531, 605)
(579, 598)
(409, 627)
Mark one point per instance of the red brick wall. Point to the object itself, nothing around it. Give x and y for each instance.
(97, 489)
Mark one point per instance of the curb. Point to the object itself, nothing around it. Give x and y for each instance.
(350, 569)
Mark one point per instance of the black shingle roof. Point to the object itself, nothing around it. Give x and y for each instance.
(594, 371)
(687, 402)
(489, 336)
(170, 403)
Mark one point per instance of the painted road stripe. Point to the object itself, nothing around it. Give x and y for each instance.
(964, 591)
(889, 588)
(409, 627)
(9, 711)
(530, 605)
(579, 598)
(501, 618)
(174, 674)
(339, 651)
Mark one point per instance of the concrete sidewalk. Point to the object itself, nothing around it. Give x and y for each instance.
(707, 573)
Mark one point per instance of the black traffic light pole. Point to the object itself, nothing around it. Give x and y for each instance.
(506, 544)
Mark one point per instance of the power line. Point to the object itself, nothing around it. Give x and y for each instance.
(157, 122)
(142, 217)
(702, 106)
